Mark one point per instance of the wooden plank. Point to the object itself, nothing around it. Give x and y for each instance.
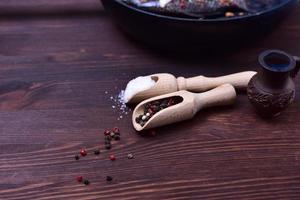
(57, 61)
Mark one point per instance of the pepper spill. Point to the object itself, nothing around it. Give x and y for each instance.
(109, 135)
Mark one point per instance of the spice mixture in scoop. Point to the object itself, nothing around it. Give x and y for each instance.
(154, 107)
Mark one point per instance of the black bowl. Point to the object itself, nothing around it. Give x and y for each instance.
(176, 32)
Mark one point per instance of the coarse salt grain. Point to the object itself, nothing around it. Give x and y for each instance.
(119, 105)
(137, 85)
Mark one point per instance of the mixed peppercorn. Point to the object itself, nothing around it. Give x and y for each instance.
(153, 107)
(111, 135)
(114, 134)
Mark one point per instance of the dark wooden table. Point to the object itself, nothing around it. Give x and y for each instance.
(57, 60)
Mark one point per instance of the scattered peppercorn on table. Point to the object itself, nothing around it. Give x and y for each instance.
(63, 135)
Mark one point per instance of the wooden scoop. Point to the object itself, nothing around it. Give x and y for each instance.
(167, 83)
(191, 103)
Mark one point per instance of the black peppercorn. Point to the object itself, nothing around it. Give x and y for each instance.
(165, 101)
(107, 146)
(156, 103)
(107, 137)
(117, 137)
(147, 106)
(97, 152)
(109, 178)
(77, 157)
(137, 120)
(164, 105)
(142, 123)
(86, 182)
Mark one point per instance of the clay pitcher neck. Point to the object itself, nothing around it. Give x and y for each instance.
(276, 70)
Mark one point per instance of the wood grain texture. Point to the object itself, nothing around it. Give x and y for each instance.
(57, 59)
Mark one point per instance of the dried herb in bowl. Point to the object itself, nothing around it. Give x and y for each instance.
(203, 8)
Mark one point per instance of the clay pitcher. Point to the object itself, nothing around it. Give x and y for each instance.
(272, 89)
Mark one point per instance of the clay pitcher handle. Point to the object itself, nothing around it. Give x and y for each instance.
(297, 68)
(202, 83)
(220, 96)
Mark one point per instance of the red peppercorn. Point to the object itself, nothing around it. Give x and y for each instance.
(171, 102)
(83, 152)
(112, 157)
(106, 132)
(116, 130)
(79, 179)
(150, 111)
(182, 4)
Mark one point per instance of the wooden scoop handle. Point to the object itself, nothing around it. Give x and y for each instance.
(202, 83)
(220, 96)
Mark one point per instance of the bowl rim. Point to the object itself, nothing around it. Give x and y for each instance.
(282, 4)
